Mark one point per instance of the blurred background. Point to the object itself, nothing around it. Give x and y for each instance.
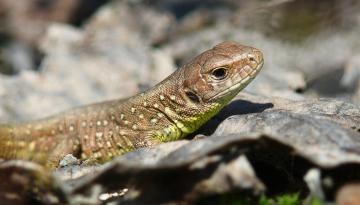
(56, 54)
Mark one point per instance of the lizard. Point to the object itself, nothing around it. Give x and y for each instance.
(172, 109)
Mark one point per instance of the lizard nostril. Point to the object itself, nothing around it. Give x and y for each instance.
(258, 55)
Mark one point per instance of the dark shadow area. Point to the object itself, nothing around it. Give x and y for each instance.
(242, 107)
(276, 166)
(339, 176)
(6, 68)
(328, 84)
(85, 10)
(182, 8)
(38, 56)
(9, 67)
(236, 107)
(239, 197)
(282, 170)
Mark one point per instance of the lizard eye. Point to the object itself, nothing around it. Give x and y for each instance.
(219, 73)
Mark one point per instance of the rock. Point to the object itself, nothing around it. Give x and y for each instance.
(319, 141)
(86, 66)
(19, 56)
(200, 172)
(313, 181)
(163, 65)
(69, 160)
(343, 113)
(123, 31)
(23, 24)
(350, 79)
(21, 181)
(27, 20)
(348, 195)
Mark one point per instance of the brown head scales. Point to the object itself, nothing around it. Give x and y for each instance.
(221, 72)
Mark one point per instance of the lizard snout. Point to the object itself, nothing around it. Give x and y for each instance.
(256, 56)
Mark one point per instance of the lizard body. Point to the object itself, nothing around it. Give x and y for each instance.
(175, 107)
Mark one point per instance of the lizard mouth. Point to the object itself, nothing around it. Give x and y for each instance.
(237, 87)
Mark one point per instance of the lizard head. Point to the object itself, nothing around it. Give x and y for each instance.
(218, 74)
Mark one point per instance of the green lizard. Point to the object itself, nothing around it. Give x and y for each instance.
(172, 109)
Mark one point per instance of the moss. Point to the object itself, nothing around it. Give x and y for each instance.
(285, 199)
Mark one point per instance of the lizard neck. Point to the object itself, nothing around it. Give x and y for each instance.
(168, 100)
